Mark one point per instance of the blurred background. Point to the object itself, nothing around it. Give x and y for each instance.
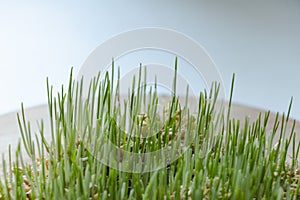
(259, 41)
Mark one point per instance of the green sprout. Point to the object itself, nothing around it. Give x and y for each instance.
(222, 159)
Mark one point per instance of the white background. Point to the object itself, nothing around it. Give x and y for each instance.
(257, 40)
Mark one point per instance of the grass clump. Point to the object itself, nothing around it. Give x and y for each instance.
(209, 155)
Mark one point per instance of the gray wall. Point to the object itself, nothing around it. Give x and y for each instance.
(257, 40)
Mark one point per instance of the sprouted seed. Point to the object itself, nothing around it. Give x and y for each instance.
(222, 161)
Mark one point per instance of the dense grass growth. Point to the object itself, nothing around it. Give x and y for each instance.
(222, 160)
